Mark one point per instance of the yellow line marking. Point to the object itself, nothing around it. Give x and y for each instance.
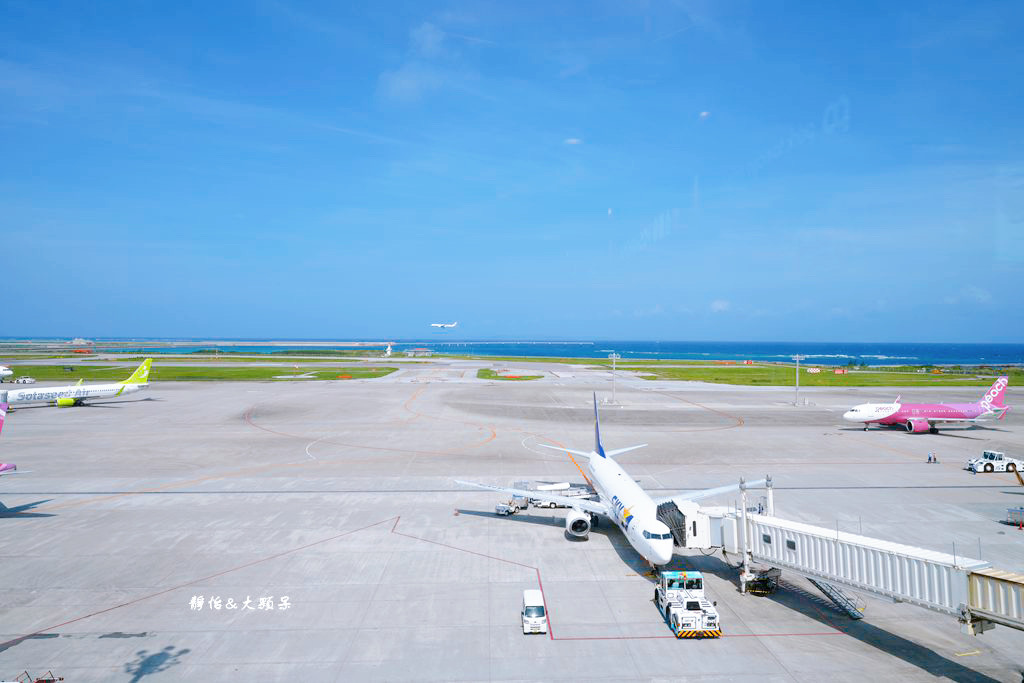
(968, 654)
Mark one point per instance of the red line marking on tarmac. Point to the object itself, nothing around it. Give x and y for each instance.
(394, 530)
(739, 420)
(773, 635)
(490, 437)
(20, 639)
(551, 626)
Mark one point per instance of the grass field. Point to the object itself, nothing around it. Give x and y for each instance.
(785, 377)
(14, 358)
(487, 373)
(567, 361)
(177, 373)
(283, 361)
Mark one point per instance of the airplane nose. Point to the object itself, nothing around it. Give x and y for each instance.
(848, 415)
(663, 555)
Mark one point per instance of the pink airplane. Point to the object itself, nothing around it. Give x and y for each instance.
(924, 417)
(5, 467)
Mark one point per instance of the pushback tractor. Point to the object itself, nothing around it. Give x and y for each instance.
(679, 596)
(994, 461)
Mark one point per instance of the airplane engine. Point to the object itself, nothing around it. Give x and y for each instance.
(65, 402)
(917, 425)
(577, 524)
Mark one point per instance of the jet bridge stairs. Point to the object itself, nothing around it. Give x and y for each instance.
(675, 520)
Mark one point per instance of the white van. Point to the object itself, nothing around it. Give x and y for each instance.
(535, 618)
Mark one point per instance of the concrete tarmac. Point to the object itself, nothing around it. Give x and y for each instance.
(339, 497)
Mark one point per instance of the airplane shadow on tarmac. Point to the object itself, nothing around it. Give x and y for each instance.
(947, 435)
(788, 595)
(820, 609)
(556, 519)
(102, 404)
(19, 510)
(942, 432)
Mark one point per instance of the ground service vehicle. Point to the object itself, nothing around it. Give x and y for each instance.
(535, 617)
(570, 492)
(680, 597)
(514, 505)
(994, 461)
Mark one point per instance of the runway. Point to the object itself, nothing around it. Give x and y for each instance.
(339, 497)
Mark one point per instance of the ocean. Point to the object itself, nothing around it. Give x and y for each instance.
(820, 353)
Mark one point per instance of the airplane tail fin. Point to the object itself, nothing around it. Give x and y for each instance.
(141, 374)
(79, 382)
(3, 409)
(598, 448)
(993, 398)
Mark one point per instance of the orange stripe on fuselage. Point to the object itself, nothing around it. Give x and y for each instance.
(584, 474)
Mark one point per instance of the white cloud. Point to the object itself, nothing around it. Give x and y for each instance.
(573, 141)
(409, 82)
(720, 306)
(571, 65)
(978, 294)
(427, 39)
(704, 115)
(656, 309)
(970, 295)
(434, 63)
(664, 226)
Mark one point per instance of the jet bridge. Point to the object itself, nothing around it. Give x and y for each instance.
(952, 584)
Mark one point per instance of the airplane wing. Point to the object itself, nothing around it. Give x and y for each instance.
(579, 503)
(708, 493)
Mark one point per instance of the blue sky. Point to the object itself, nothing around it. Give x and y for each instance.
(630, 170)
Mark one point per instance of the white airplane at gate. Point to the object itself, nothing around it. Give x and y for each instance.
(76, 394)
(621, 500)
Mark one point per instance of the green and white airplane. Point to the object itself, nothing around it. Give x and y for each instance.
(77, 394)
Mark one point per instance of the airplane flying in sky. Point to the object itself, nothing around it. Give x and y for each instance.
(5, 372)
(925, 417)
(76, 395)
(454, 324)
(620, 499)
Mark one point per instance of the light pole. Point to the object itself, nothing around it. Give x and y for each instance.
(614, 357)
(796, 398)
